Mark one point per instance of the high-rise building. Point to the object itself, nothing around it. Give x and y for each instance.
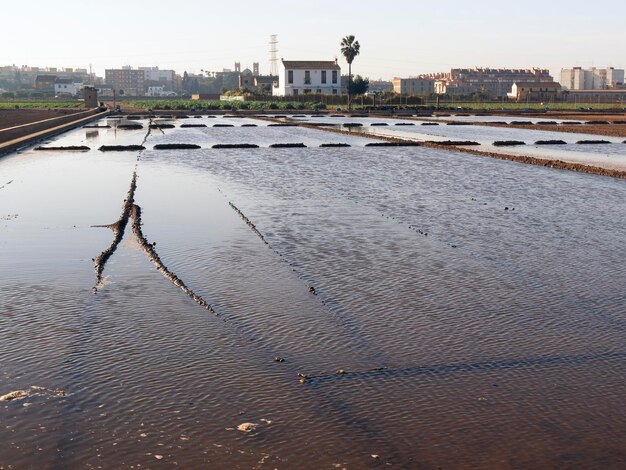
(130, 82)
(155, 74)
(593, 78)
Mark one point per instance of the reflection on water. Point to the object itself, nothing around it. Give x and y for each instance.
(611, 156)
(443, 310)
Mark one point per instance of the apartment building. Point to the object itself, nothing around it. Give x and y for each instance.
(495, 83)
(418, 86)
(592, 78)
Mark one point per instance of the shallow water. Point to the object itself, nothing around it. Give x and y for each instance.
(507, 119)
(611, 155)
(475, 305)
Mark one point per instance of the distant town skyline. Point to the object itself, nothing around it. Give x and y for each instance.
(402, 39)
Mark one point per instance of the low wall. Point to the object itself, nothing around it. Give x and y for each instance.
(11, 133)
(13, 138)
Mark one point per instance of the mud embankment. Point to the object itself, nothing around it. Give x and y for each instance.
(118, 229)
(131, 211)
(613, 130)
(447, 369)
(32, 391)
(76, 148)
(153, 256)
(558, 164)
(248, 222)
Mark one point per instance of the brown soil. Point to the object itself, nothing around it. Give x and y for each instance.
(17, 117)
(572, 115)
(614, 130)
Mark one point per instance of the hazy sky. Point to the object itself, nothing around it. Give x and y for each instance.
(398, 37)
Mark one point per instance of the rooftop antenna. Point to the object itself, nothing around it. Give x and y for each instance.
(273, 56)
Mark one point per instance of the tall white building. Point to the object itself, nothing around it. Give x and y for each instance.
(303, 77)
(156, 75)
(592, 78)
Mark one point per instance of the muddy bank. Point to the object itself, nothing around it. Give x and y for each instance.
(550, 142)
(287, 145)
(248, 222)
(121, 148)
(76, 148)
(508, 143)
(451, 143)
(175, 146)
(612, 130)
(235, 146)
(32, 391)
(393, 144)
(593, 142)
(148, 248)
(118, 229)
(558, 164)
(130, 211)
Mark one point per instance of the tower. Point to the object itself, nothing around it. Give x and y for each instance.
(273, 56)
(255, 69)
(237, 67)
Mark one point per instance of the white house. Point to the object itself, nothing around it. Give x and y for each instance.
(155, 91)
(66, 86)
(303, 77)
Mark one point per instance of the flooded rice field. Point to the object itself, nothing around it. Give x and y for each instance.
(569, 147)
(308, 308)
(610, 154)
(500, 119)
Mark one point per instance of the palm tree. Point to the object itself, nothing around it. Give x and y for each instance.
(350, 49)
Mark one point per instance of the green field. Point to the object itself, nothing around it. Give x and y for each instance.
(41, 104)
(179, 104)
(183, 104)
(217, 105)
(498, 106)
